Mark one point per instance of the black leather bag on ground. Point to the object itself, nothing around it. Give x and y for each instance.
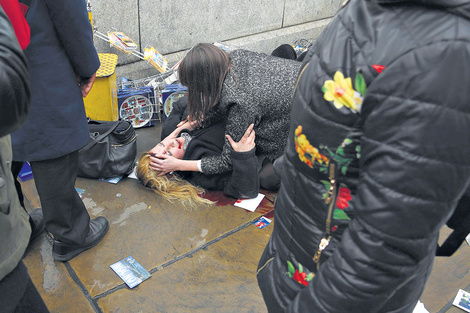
(110, 152)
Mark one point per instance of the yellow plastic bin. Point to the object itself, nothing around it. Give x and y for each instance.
(101, 103)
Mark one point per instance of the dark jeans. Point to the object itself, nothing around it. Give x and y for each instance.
(18, 293)
(65, 215)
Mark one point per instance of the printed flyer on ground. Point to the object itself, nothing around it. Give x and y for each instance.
(462, 300)
(130, 271)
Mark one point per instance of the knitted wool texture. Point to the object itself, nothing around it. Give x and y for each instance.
(259, 90)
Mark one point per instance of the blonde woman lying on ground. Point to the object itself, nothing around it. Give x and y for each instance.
(241, 182)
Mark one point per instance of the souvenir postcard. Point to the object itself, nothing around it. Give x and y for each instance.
(120, 41)
(130, 271)
(462, 300)
(155, 59)
(113, 180)
(262, 222)
(80, 192)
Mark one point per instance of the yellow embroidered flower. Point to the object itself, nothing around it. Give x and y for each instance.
(341, 92)
(307, 153)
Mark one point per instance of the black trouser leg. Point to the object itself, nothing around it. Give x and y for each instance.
(65, 214)
(18, 293)
(267, 177)
(15, 169)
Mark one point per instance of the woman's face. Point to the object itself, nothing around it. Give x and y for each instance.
(173, 147)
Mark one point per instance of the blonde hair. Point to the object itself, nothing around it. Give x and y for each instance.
(169, 187)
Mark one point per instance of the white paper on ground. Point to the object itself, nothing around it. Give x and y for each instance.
(419, 308)
(462, 300)
(250, 204)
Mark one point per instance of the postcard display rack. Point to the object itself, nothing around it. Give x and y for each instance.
(140, 101)
(145, 101)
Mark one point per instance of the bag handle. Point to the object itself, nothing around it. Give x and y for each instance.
(100, 137)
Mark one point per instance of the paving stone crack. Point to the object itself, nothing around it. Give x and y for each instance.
(188, 254)
(73, 275)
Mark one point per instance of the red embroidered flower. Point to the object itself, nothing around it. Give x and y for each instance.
(344, 196)
(298, 274)
(300, 277)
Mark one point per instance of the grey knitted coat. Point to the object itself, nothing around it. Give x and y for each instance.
(258, 90)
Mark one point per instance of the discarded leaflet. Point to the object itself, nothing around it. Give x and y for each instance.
(130, 271)
(462, 300)
(262, 222)
(249, 204)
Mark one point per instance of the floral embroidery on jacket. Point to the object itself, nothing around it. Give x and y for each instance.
(340, 157)
(308, 153)
(298, 274)
(312, 157)
(341, 92)
(342, 201)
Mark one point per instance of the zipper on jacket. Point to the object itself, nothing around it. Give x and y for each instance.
(330, 199)
(300, 75)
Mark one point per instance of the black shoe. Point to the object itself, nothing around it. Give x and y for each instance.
(62, 251)
(36, 219)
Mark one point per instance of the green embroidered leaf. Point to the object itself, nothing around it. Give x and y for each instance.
(290, 267)
(301, 268)
(326, 184)
(289, 274)
(360, 84)
(323, 89)
(309, 277)
(347, 141)
(358, 152)
(340, 151)
(340, 215)
(344, 169)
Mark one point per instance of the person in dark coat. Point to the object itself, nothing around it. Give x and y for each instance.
(376, 160)
(61, 53)
(17, 291)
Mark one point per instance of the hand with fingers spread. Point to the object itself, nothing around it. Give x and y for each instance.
(246, 143)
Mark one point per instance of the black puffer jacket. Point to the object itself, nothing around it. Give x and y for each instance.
(383, 96)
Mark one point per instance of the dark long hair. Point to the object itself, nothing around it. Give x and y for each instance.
(203, 71)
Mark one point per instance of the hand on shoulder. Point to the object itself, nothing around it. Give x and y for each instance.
(246, 143)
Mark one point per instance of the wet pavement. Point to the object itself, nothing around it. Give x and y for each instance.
(201, 260)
